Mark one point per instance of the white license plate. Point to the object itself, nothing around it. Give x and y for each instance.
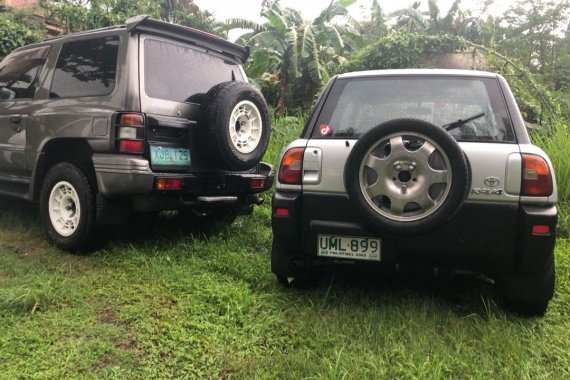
(347, 247)
(168, 156)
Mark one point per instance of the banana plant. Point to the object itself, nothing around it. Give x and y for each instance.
(294, 53)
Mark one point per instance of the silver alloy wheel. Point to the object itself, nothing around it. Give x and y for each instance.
(402, 184)
(245, 127)
(64, 208)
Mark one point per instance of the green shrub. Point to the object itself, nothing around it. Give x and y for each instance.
(13, 35)
(401, 51)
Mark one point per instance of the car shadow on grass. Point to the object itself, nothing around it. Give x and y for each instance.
(17, 213)
(23, 217)
(460, 293)
(157, 229)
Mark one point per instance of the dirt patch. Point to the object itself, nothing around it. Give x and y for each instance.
(108, 316)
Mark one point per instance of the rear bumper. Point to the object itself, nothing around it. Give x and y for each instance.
(484, 238)
(122, 175)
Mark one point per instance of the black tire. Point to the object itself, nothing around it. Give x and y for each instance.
(446, 208)
(81, 236)
(216, 138)
(527, 294)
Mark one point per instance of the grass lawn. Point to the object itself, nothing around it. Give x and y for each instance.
(157, 302)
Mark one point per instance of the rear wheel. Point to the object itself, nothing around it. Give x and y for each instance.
(67, 207)
(527, 294)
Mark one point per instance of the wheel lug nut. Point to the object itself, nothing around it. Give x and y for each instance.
(411, 168)
(398, 167)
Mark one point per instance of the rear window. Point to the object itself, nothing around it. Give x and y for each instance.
(178, 72)
(86, 68)
(357, 105)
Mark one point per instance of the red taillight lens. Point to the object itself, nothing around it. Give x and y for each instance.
(536, 177)
(290, 172)
(540, 229)
(168, 184)
(282, 212)
(131, 146)
(131, 119)
(130, 132)
(257, 183)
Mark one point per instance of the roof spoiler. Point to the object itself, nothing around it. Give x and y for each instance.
(144, 23)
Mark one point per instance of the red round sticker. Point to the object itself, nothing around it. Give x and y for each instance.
(326, 130)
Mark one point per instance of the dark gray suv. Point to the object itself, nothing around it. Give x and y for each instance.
(426, 168)
(143, 117)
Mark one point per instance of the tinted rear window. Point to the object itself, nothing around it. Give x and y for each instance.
(86, 68)
(178, 72)
(357, 105)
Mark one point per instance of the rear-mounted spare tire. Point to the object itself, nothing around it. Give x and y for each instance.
(234, 125)
(406, 177)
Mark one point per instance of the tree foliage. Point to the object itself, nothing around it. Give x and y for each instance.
(14, 34)
(292, 56)
(404, 50)
(77, 15)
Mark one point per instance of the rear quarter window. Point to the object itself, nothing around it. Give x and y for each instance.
(179, 72)
(357, 105)
(86, 68)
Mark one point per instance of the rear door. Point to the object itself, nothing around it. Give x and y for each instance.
(356, 105)
(18, 83)
(174, 78)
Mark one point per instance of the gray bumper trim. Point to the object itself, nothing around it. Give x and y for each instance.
(122, 175)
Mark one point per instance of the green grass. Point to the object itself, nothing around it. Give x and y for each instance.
(555, 141)
(157, 302)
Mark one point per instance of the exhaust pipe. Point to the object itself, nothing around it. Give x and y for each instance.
(297, 266)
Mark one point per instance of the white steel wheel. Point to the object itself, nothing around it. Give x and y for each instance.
(245, 127)
(64, 208)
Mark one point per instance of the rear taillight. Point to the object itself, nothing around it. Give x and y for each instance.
(291, 169)
(536, 176)
(165, 184)
(540, 229)
(257, 183)
(130, 132)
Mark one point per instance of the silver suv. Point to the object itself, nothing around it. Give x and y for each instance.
(426, 168)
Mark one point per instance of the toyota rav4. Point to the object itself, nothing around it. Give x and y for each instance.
(143, 117)
(419, 167)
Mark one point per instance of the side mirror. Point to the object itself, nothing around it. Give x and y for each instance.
(7, 94)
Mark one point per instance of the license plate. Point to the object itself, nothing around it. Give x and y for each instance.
(167, 156)
(347, 247)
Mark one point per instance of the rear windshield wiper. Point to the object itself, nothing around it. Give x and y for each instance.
(460, 122)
